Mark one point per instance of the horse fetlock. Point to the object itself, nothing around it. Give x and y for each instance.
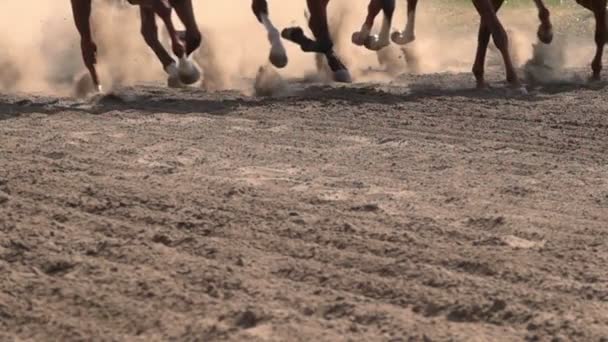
(545, 34)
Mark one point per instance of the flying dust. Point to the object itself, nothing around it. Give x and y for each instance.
(41, 53)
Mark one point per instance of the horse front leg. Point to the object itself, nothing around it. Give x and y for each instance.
(188, 71)
(81, 10)
(149, 31)
(278, 55)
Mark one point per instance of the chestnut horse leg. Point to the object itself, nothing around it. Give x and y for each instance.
(490, 25)
(407, 35)
(545, 29)
(278, 56)
(323, 43)
(149, 31)
(364, 37)
(81, 10)
(188, 72)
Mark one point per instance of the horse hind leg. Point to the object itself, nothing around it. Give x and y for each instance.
(278, 55)
(408, 34)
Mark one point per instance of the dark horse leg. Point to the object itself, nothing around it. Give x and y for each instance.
(322, 43)
(407, 35)
(598, 7)
(278, 56)
(491, 26)
(364, 36)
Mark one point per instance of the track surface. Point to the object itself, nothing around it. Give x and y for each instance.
(427, 212)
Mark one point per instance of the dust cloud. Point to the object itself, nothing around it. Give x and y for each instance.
(41, 46)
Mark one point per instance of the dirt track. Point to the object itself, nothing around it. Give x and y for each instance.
(422, 212)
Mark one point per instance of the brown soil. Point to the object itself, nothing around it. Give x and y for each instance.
(426, 212)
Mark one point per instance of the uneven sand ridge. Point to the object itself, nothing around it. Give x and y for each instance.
(337, 213)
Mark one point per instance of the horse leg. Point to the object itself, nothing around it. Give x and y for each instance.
(364, 37)
(318, 24)
(81, 10)
(490, 24)
(188, 71)
(278, 56)
(598, 7)
(185, 12)
(407, 35)
(599, 11)
(323, 43)
(149, 31)
(545, 29)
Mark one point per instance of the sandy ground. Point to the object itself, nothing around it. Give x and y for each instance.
(416, 211)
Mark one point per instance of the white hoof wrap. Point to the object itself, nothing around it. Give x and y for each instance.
(173, 79)
(188, 71)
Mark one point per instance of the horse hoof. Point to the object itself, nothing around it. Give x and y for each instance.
(358, 39)
(293, 34)
(174, 82)
(278, 57)
(482, 85)
(85, 86)
(545, 35)
(374, 43)
(189, 73)
(594, 79)
(342, 76)
(278, 60)
(173, 78)
(402, 39)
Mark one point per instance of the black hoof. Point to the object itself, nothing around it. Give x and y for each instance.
(294, 34)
